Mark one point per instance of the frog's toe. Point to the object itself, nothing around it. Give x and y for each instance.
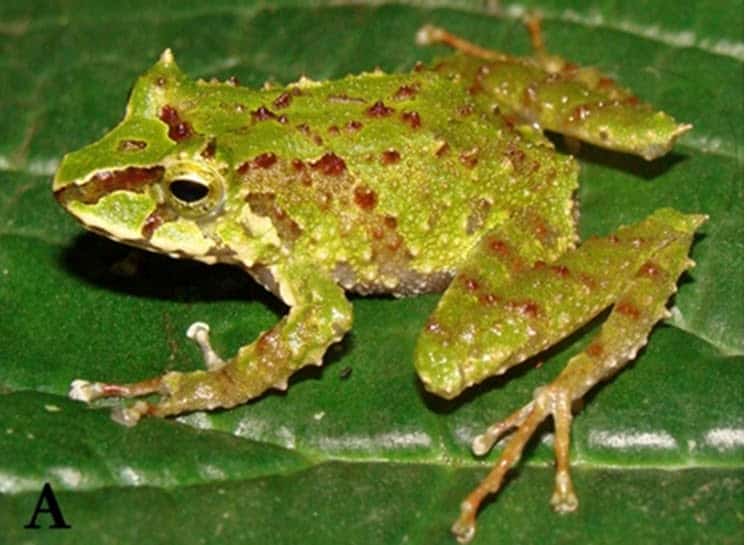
(83, 390)
(482, 443)
(464, 528)
(129, 416)
(555, 400)
(178, 393)
(526, 421)
(199, 332)
(564, 499)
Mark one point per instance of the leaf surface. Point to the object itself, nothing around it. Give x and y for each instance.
(363, 455)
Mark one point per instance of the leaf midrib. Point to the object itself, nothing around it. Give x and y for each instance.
(304, 458)
(33, 486)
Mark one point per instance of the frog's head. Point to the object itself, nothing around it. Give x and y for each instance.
(161, 179)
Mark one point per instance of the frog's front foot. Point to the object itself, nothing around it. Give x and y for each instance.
(179, 393)
(174, 387)
(223, 384)
(83, 390)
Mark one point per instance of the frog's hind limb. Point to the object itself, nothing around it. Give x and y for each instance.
(635, 269)
(319, 316)
(547, 91)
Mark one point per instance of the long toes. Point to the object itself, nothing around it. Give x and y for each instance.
(482, 443)
(83, 390)
(526, 420)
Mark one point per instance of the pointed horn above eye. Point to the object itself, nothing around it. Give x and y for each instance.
(167, 57)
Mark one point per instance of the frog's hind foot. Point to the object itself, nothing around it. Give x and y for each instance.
(640, 302)
(482, 444)
(430, 35)
(555, 400)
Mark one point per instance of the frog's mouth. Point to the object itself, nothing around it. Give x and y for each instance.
(134, 179)
(115, 203)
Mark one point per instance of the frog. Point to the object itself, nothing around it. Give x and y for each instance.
(439, 179)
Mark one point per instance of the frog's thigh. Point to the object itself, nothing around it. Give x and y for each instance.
(640, 304)
(459, 337)
(319, 315)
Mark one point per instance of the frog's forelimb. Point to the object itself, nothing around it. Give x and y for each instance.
(319, 316)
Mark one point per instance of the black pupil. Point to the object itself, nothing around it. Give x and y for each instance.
(188, 190)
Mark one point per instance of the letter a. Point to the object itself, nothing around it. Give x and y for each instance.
(47, 497)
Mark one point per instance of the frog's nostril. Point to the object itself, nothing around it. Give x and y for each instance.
(188, 191)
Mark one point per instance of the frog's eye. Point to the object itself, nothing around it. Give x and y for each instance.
(193, 189)
(188, 191)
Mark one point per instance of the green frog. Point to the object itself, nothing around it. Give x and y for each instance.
(438, 179)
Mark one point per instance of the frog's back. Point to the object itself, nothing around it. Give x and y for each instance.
(388, 180)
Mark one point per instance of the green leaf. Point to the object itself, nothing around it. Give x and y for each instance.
(356, 451)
